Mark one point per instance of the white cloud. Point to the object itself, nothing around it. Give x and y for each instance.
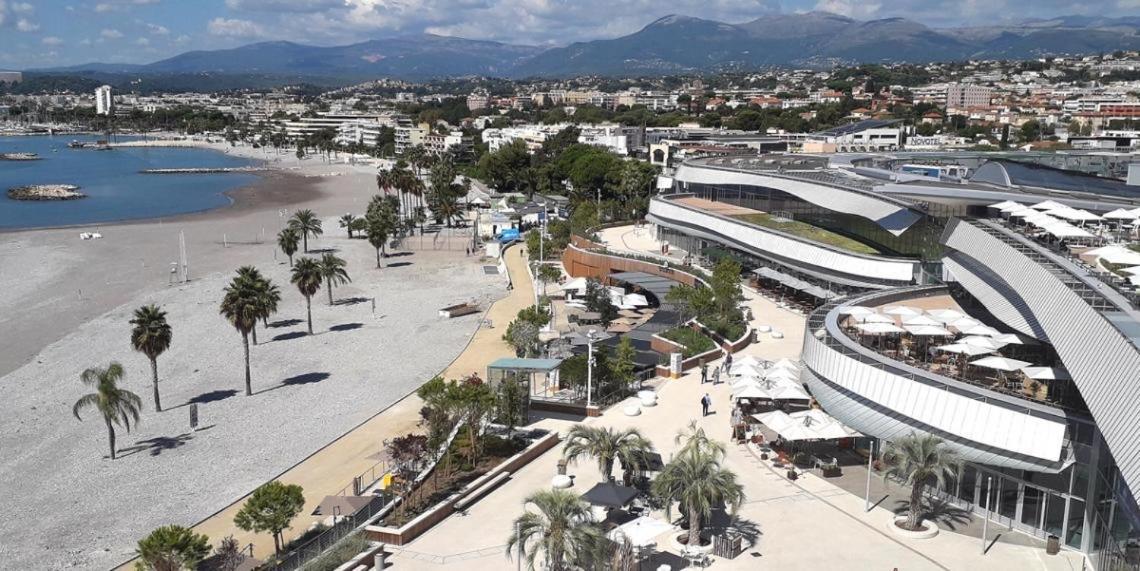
(51, 41)
(104, 7)
(183, 39)
(142, 42)
(234, 28)
(3, 11)
(22, 8)
(157, 30)
(283, 5)
(25, 25)
(111, 34)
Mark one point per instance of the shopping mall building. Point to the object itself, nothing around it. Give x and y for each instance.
(1059, 446)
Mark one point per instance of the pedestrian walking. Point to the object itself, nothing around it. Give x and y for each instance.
(706, 402)
(727, 361)
(704, 372)
(716, 377)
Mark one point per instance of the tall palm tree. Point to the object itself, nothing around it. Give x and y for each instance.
(242, 306)
(268, 295)
(696, 480)
(561, 530)
(332, 269)
(378, 229)
(117, 406)
(917, 459)
(307, 277)
(151, 336)
(306, 223)
(288, 240)
(346, 223)
(607, 445)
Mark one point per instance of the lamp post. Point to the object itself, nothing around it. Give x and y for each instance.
(870, 461)
(589, 368)
(986, 523)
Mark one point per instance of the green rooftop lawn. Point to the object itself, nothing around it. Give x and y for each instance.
(809, 232)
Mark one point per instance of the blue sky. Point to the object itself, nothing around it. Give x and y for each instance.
(43, 33)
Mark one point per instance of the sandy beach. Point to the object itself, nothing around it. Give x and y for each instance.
(66, 307)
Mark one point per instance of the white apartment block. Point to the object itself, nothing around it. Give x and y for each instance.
(104, 103)
(965, 96)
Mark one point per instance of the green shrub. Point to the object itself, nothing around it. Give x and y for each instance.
(340, 553)
(695, 342)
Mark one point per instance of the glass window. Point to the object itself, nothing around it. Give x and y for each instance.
(1007, 498)
(969, 479)
(1054, 514)
(1075, 527)
(1032, 506)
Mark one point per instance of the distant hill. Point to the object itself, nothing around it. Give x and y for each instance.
(669, 45)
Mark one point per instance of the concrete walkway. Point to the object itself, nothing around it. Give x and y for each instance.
(332, 468)
(807, 524)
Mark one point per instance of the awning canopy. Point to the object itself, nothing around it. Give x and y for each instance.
(609, 495)
(794, 282)
(640, 532)
(1000, 363)
(811, 424)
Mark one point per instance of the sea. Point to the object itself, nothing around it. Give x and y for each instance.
(116, 188)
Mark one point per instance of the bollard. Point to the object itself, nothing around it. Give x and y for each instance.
(562, 467)
(380, 560)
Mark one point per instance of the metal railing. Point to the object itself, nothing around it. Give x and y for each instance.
(344, 526)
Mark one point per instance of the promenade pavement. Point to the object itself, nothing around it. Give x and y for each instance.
(806, 524)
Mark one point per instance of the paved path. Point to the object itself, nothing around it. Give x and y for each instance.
(807, 524)
(332, 468)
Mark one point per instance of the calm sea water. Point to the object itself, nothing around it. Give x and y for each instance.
(115, 188)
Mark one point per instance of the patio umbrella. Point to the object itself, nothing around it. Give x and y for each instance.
(619, 328)
(983, 330)
(928, 331)
(855, 310)
(786, 363)
(576, 284)
(1000, 363)
(921, 320)
(342, 505)
(751, 391)
(1047, 205)
(824, 422)
(640, 532)
(1133, 271)
(879, 328)
(1008, 339)
(946, 315)
(983, 342)
(743, 382)
(874, 318)
(789, 392)
(1006, 204)
(1047, 373)
(747, 360)
(963, 349)
(964, 323)
(609, 494)
(903, 311)
(780, 374)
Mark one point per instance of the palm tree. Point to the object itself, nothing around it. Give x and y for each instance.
(288, 240)
(378, 229)
(306, 223)
(307, 277)
(151, 337)
(346, 223)
(268, 295)
(606, 445)
(332, 269)
(243, 305)
(917, 459)
(697, 481)
(561, 530)
(117, 406)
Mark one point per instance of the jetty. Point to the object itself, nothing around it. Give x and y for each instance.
(46, 192)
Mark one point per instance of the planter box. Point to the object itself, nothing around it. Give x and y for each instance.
(425, 521)
(459, 310)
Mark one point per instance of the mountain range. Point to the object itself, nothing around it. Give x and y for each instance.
(669, 45)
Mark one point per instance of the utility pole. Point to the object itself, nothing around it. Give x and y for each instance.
(589, 368)
(986, 523)
(870, 461)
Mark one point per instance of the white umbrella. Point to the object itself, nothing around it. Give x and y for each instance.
(1006, 205)
(984, 330)
(640, 532)
(903, 311)
(1075, 214)
(965, 323)
(745, 370)
(1047, 205)
(874, 318)
(1119, 214)
(576, 284)
(928, 331)
(879, 328)
(921, 320)
(780, 374)
(786, 363)
(1133, 271)
(855, 310)
(946, 315)
(789, 392)
(747, 360)
(962, 348)
(743, 382)
(751, 392)
(983, 342)
(1047, 373)
(1000, 363)
(1009, 339)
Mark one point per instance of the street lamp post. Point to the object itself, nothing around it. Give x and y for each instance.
(589, 368)
(870, 461)
(986, 522)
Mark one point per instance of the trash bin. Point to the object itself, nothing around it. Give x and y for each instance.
(1053, 545)
(380, 560)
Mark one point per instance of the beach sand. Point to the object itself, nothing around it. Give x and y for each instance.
(65, 307)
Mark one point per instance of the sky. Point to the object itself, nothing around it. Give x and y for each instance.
(49, 33)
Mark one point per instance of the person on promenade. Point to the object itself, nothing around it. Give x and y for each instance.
(706, 402)
(704, 372)
(727, 361)
(716, 376)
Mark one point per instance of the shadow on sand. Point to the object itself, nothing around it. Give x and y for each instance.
(346, 327)
(159, 444)
(290, 335)
(286, 323)
(398, 264)
(352, 300)
(304, 379)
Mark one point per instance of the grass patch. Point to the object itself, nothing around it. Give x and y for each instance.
(340, 553)
(695, 342)
(807, 231)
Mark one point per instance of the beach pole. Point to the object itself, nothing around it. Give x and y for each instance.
(225, 241)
